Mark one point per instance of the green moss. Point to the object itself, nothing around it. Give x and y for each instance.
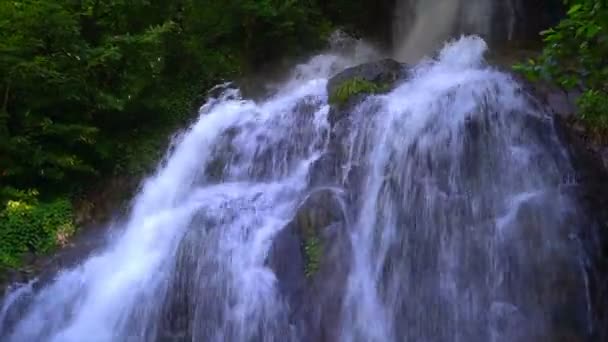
(32, 226)
(312, 245)
(354, 87)
(313, 252)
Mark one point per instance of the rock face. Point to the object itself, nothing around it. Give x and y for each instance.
(558, 101)
(590, 186)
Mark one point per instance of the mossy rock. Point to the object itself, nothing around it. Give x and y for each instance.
(311, 260)
(369, 78)
(303, 243)
(318, 212)
(351, 88)
(352, 85)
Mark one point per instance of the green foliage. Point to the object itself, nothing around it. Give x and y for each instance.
(312, 255)
(575, 55)
(350, 88)
(593, 104)
(90, 85)
(28, 225)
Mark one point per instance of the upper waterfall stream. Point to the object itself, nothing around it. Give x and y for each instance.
(421, 26)
(455, 222)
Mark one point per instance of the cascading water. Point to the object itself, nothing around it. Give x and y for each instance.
(421, 26)
(465, 231)
(457, 222)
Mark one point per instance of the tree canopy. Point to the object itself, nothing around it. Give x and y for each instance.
(79, 78)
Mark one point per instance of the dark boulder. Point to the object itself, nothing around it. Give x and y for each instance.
(553, 98)
(310, 257)
(385, 71)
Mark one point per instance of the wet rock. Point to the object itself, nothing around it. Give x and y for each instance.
(560, 101)
(287, 261)
(222, 152)
(318, 214)
(310, 258)
(588, 186)
(320, 210)
(386, 71)
(375, 77)
(549, 96)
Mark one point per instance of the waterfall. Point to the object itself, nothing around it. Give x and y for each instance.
(421, 26)
(457, 222)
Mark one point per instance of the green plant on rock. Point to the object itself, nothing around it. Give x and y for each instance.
(575, 55)
(28, 225)
(350, 88)
(312, 253)
(312, 245)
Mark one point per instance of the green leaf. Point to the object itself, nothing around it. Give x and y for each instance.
(574, 9)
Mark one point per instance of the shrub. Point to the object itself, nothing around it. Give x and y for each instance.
(28, 225)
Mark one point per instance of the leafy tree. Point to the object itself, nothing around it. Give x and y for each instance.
(39, 46)
(576, 55)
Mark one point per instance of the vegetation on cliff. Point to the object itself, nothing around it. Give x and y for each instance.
(575, 55)
(28, 225)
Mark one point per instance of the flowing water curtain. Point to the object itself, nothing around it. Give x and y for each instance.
(465, 225)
